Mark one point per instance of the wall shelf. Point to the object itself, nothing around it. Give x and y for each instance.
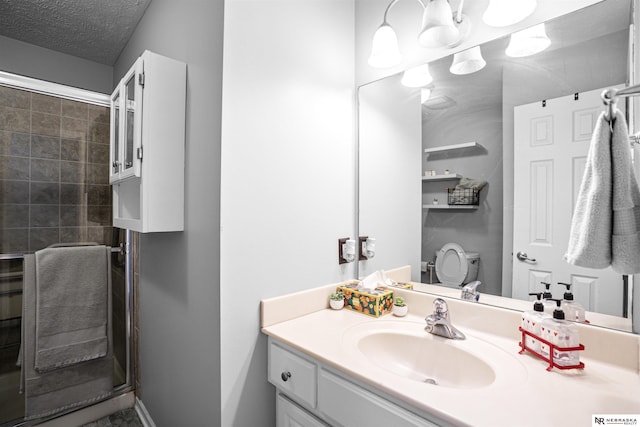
(452, 147)
(464, 207)
(447, 177)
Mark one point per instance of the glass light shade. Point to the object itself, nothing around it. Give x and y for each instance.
(528, 42)
(384, 48)
(468, 61)
(502, 13)
(425, 93)
(438, 28)
(417, 76)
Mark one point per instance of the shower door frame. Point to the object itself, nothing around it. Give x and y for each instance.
(126, 248)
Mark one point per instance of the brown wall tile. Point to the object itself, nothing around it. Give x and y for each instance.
(73, 129)
(72, 150)
(14, 216)
(99, 153)
(72, 172)
(45, 193)
(14, 240)
(14, 119)
(45, 104)
(98, 113)
(45, 124)
(45, 147)
(75, 109)
(14, 191)
(72, 194)
(44, 216)
(45, 170)
(15, 98)
(15, 168)
(15, 143)
(99, 132)
(40, 238)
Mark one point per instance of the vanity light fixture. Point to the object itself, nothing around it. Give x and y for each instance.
(502, 13)
(417, 76)
(384, 49)
(528, 42)
(440, 28)
(468, 61)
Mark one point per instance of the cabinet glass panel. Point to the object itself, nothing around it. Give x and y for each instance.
(115, 135)
(130, 102)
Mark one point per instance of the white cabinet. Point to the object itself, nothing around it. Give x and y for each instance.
(288, 414)
(310, 391)
(147, 145)
(363, 407)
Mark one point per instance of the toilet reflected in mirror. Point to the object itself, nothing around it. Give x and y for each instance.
(455, 267)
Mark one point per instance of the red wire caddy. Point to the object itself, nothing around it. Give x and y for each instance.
(552, 363)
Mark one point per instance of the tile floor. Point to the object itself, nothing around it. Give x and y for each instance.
(124, 418)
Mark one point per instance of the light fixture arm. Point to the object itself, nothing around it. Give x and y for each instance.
(393, 2)
(424, 6)
(459, 12)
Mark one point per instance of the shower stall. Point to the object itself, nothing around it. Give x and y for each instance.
(54, 188)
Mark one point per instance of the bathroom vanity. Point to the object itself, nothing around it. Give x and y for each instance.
(342, 368)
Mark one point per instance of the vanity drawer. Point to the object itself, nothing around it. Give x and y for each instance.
(293, 374)
(350, 405)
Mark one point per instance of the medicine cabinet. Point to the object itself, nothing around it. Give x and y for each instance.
(147, 145)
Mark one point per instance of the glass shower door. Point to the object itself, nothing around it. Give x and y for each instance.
(54, 188)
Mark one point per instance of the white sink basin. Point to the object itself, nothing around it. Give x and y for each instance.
(406, 350)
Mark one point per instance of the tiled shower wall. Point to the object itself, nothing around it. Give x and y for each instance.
(54, 165)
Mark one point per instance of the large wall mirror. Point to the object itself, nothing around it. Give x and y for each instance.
(414, 148)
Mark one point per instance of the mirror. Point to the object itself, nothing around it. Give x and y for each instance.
(467, 127)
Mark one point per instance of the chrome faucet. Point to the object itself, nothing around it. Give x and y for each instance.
(470, 291)
(438, 323)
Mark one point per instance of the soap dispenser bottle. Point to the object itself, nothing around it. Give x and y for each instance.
(562, 334)
(547, 302)
(573, 311)
(531, 322)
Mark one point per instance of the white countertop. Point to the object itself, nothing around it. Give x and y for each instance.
(524, 393)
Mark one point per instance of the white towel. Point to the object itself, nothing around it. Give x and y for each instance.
(606, 220)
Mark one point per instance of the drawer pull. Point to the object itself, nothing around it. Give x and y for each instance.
(285, 375)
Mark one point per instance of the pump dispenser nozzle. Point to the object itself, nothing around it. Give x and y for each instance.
(547, 293)
(537, 306)
(567, 295)
(557, 313)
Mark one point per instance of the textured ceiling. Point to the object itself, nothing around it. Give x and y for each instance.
(96, 30)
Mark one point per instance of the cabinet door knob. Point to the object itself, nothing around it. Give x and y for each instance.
(285, 375)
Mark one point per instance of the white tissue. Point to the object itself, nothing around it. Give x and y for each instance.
(374, 280)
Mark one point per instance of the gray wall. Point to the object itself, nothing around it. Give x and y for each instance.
(39, 63)
(179, 289)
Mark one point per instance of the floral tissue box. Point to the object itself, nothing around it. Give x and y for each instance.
(376, 304)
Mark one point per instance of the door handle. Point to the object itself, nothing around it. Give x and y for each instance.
(522, 256)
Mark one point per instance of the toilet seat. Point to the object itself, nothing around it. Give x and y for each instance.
(451, 264)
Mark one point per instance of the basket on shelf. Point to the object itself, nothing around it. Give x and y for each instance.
(463, 196)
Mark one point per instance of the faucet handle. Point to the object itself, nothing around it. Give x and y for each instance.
(440, 308)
